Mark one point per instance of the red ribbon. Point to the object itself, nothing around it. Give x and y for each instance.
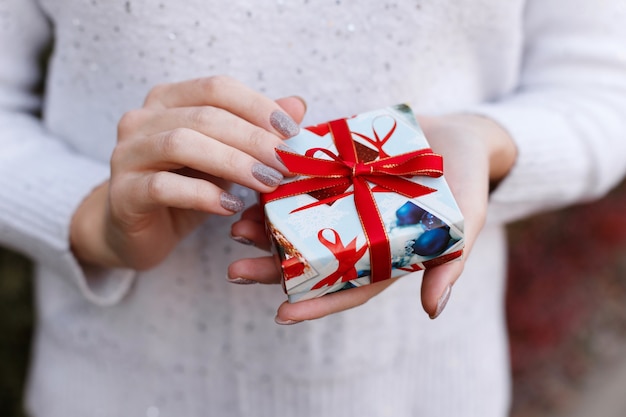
(293, 267)
(433, 262)
(386, 173)
(377, 142)
(347, 256)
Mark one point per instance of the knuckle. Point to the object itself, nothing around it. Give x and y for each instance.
(117, 156)
(257, 103)
(123, 158)
(156, 92)
(211, 85)
(198, 197)
(170, 142)
(156, 186)
(201, 117)
(129, 122)
(118, 201)
(115, 191)
(258, 139)
(229, 160)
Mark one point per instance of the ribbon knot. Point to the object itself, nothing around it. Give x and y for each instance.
(388, 174)
(347, 256)
(361, 169)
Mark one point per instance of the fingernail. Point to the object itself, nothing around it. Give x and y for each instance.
(267, 175)
(242, 240)
(231, 202)
(443, 300)
(284, 124)
(241, 281)
(285, 148)
(282, 322)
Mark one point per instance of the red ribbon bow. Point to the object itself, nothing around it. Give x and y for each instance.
(386, 173)
(347, 256)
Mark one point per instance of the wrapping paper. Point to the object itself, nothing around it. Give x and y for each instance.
(369, 203)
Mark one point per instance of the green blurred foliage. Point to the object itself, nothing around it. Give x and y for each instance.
(16, 324)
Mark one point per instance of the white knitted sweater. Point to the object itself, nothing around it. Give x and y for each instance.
(180, 341)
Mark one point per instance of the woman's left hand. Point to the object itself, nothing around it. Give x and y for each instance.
(477, 153)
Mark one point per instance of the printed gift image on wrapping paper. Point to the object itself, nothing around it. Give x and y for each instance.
(369, 203)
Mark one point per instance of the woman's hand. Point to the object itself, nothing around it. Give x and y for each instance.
(477, 154)
(172, 166)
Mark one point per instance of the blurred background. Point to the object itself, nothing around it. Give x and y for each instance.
(16, 323)
(566, 307)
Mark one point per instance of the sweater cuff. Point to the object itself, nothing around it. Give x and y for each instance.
(41, 185)
(546, 166)
(101, 286)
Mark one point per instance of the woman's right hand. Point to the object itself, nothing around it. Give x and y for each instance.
(173, 163)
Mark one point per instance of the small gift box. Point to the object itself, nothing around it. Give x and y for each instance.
(369, 203)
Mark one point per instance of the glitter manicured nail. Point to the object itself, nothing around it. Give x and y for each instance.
(284, 124)
(241, 281)
(285, 148)
(443, 300)
(267, 175)
(231, 202)
(242, 240)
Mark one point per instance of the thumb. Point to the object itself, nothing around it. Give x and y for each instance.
(294, 106)
(437, 285)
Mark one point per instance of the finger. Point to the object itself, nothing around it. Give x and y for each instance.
(263, 270)
(290, 313)
(250, 233)
(437, 286)
(294, 106)
(253, 213)
(212, 122)
(167, 189)
(226, 93)
(250, 228)
(187, 148)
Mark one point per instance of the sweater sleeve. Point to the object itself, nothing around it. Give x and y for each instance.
(42, 180)
(568, 113)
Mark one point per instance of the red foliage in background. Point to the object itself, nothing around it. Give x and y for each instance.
(565, 299)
